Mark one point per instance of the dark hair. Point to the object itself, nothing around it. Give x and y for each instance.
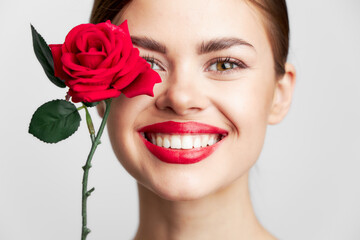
(106, 10)
(274, 15)
(276, 21)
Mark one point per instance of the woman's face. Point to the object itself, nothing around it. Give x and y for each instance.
(217, 68)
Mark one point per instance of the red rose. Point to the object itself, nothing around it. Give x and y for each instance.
(98, 61)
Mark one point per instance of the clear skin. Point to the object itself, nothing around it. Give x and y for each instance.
(209, 199)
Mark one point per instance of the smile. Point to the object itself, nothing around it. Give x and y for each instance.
(181, 142)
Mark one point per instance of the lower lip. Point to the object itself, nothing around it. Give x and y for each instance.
(180, 156)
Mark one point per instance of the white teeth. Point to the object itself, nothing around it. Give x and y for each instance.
(166, 143)
(204, 140)
(197, 142)
(159, 141)
(186, 141)
(175, 141)
(211, 140)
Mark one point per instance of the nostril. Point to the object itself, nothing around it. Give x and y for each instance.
(181, 111)
(181, 102)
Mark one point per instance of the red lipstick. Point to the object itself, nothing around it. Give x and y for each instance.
(181, 156)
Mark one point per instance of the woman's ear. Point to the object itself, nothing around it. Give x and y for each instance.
(284, 90)
(101, 109)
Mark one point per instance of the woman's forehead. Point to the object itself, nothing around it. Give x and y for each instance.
(194, 21)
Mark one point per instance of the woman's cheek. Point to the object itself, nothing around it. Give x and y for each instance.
(244, 109)
(125, 116)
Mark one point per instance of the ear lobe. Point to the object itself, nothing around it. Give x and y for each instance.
(284, 90)
(101, 109)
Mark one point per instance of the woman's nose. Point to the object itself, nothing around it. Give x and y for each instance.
(183, 94)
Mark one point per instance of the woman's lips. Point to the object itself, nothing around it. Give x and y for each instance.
(181, 142)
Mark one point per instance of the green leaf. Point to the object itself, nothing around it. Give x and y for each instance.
(55, 121)
(44, 55)
(91, 104)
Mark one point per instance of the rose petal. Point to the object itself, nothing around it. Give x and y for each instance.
(109, 35)
(93, 96)
(58, 66)
(124, 28)
(108, 67)
(85, 84)
(96, 39)
(121, 82)
(113, 57)
(71, 36)
(70, 61)
(129, 63)
(81, 44)
(126, 39)
(100, 73)
(90, 59)
(90, 87)
(143, 84)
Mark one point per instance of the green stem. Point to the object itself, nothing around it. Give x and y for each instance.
(90, 124)
(86, 193)
(79, 108)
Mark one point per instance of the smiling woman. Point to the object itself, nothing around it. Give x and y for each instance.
(190, 148)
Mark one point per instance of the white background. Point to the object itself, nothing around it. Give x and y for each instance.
(306, 184)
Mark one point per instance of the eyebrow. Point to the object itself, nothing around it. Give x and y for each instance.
(205, 47)
(222, 44)
(148, 43)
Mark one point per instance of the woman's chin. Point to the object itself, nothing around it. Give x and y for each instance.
(179, 189)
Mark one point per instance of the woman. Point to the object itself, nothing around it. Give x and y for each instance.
(190, 148)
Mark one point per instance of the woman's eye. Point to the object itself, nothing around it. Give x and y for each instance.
(153, 63)
(154, 66)
(222, 66)
(226, 64)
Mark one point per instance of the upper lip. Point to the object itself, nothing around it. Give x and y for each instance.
(171, 127)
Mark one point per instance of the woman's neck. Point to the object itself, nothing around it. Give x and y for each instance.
(226, 214)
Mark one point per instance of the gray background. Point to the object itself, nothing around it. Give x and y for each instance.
(304, 186)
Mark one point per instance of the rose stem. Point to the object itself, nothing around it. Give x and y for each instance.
(79, 108)
(85, 193)
(90, 124)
